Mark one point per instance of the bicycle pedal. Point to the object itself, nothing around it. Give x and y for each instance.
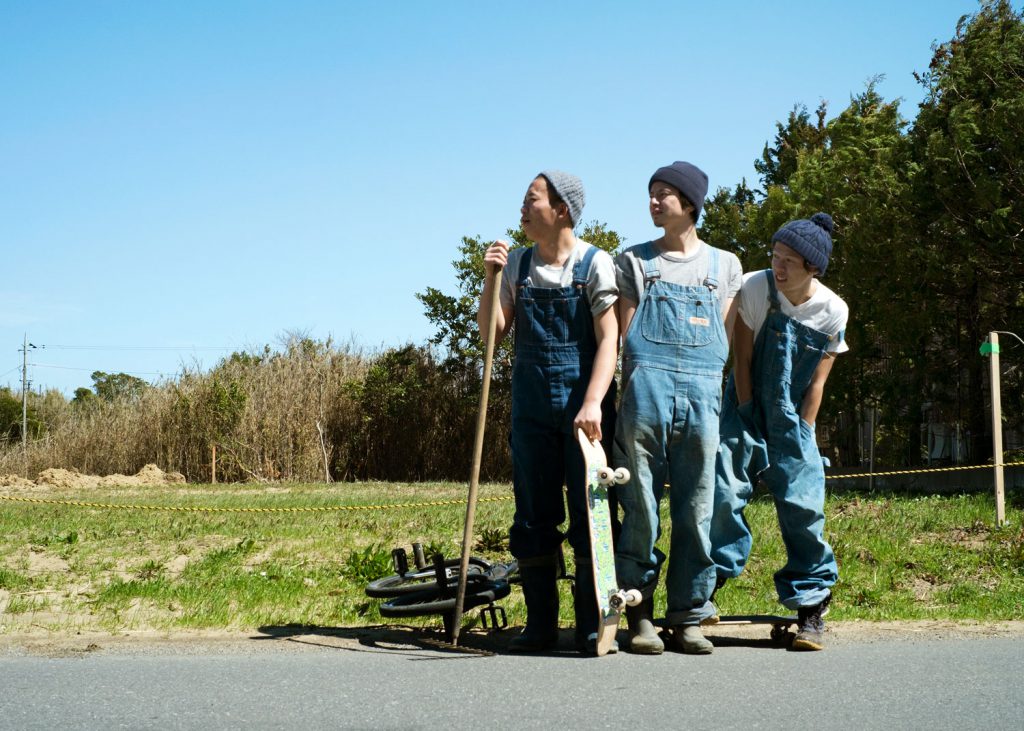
(494, 612)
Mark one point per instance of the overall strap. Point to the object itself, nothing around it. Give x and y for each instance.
(524, 267)
(649, 254)
(581, 270)
(773, 294)
(711, 281)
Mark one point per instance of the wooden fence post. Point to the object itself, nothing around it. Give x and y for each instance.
(992, 350)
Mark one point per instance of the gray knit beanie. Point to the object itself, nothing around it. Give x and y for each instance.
(570, 189)
(688, 179)
(811, 238)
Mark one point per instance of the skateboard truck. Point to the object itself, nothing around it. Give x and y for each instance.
(607, 476)
(628, 598)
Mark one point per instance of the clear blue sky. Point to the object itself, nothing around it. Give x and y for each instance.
(196, 175)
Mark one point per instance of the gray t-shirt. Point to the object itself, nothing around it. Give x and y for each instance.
(601, 288)
(687, 271)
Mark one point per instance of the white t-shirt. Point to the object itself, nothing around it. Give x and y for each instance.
(601, 288)
(825, 311)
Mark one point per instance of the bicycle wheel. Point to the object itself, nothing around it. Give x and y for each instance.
(430, 601)
(414, 581)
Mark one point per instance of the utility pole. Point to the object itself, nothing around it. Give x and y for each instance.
(24, 395)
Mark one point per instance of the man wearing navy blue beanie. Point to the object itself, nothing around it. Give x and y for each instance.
(790, 323)
(675, 304)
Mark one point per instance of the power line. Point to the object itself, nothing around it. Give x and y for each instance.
(140, 347)
(92, 370)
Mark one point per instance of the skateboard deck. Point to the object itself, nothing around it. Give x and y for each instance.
(610, 598)
(780, 625)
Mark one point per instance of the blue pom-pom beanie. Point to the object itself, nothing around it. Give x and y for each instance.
(811, 238)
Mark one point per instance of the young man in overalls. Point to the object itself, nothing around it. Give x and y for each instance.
(560, 293)
(674, 312)
(789, 331)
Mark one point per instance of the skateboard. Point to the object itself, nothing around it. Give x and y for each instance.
(610, 598)
(780, 625)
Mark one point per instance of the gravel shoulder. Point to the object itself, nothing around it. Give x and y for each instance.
(400, 638)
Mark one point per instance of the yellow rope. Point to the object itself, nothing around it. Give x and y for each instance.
(919, 472)
(192, 509)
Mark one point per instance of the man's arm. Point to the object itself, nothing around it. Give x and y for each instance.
(627, 308)
(729, 318)
(816, 389)
(496, 256)
(742, 356)
(606, 330)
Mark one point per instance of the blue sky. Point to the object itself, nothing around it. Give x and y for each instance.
(182, 177)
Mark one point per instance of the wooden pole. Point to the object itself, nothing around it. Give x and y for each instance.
(478, 448)
(871, 458)
(997, 428)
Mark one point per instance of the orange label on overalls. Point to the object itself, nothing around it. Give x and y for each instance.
(702, 321)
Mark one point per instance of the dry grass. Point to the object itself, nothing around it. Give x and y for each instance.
(312, 412)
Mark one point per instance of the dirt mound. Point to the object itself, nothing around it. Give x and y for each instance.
(59, 477)
(148, 476)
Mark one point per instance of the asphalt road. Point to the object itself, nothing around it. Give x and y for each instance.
(393, 679)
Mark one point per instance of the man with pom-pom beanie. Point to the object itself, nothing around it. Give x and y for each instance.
(789, 331)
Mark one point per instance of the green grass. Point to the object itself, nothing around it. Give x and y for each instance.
(67, 568)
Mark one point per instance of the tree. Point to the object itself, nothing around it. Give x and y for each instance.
(969, 142)
(798, 135)
(11, 417)
(862, 176)
(114, 386)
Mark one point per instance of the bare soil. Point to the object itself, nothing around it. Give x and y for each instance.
(148, 476)
(404, 638)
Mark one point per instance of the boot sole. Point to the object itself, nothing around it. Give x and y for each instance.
(803, 643)
(645, 649)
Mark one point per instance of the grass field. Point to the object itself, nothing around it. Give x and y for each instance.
(69, 568)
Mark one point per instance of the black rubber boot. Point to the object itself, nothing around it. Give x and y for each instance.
(643, 635)
(541, 595)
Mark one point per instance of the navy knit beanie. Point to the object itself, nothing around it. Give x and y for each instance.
(688, 179)
(570, 189)
(811, 238)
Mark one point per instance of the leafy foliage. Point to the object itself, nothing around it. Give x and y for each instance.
(929, 226)
(114, 386)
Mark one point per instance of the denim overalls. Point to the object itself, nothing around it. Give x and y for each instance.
(673, 356)
(555, 347)
(766, 439)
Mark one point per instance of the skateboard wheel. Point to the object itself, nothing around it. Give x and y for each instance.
(621, 475)
(633, 597)
(605, 476)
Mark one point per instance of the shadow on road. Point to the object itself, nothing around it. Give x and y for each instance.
(419, 642)
(401, 639)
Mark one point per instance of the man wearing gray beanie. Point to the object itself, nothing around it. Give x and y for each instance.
(790, 323)
(675, 305)
(560, 295)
